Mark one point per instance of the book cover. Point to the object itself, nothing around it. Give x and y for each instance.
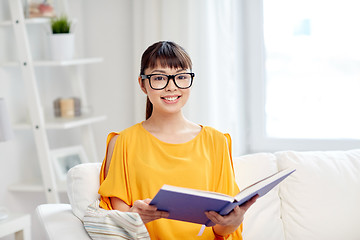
(190, 205)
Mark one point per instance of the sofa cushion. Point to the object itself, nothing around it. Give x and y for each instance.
(82, 187)
(60, 223)
(320, 200)
(262, 220)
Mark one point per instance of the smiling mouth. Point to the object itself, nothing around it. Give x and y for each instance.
(170, 98)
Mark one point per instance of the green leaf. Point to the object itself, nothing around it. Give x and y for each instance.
(60, 25)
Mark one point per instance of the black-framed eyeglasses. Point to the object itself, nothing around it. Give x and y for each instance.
(160, 81)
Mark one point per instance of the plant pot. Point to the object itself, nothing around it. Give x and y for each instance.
(62, 46)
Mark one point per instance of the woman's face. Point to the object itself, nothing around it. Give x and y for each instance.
(169, 100)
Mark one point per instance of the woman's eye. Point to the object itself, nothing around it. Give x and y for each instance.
(182, 77)
(159, 78)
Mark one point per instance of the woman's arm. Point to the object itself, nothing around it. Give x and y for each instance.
(147, 212)
(226, 225)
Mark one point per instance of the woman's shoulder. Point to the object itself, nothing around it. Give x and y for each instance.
(125, 133)
(213, 131)
(215, 135)
(131, 130)
(128, 130)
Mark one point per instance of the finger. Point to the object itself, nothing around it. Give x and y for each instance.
(147, 212)
(164, 214)
(255, 197)
(148, 200)
(211, 218)
(150, 208)
(248, 204)
(141, 204)
(148, 218)
(151, 214)
(156, 214)
(214, 217)
(237, 211)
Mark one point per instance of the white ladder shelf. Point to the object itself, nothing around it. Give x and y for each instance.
(39, 124)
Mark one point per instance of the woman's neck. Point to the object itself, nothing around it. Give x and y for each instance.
(170, 123)
(171, 129)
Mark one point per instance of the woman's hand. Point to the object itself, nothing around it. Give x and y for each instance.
(147, 212)
(229, 223)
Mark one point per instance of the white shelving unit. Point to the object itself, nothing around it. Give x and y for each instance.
(39, 124)
(61, 123)
(72, 62)
(27, 21)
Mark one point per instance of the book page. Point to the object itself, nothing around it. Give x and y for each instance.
(196, 192)
(266, 184)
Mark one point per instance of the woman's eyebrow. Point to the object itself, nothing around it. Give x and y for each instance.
(162, 71)
(158, 70)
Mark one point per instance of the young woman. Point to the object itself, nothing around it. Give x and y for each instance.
(167, 148)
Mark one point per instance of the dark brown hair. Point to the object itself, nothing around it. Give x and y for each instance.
(165, 54)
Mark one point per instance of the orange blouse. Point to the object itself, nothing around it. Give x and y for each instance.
(141, 164)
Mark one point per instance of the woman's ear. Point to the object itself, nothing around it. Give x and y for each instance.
(142, 85)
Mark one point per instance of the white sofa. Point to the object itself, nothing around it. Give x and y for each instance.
(320, 201)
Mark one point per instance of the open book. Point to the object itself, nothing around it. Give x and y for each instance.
(189, 205)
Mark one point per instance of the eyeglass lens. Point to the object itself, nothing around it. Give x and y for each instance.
(159, 81)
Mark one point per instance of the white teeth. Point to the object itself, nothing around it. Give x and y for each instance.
(171, 98)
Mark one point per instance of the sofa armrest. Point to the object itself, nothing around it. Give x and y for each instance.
(60, 223)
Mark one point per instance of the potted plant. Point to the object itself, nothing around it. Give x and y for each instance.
(61, 38)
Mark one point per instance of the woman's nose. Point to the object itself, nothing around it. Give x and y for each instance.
(171, 85)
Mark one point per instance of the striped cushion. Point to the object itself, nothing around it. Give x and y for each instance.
(113, 224)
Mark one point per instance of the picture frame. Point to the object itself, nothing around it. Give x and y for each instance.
(39, 9)
(65, 158)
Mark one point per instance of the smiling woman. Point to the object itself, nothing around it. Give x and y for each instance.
(167, 148)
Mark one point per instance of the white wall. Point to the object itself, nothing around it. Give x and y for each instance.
(108, 33)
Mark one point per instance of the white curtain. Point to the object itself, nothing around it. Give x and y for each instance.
(210, 30)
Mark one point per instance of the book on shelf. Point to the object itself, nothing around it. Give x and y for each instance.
(190, 205)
